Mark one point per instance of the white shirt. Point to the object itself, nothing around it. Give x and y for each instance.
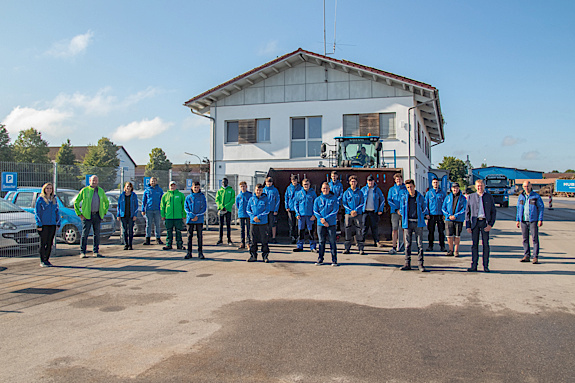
(481, 213)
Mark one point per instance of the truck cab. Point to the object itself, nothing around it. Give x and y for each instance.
(498, 186)
(355, 152)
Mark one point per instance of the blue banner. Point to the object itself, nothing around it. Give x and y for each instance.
(565, 186)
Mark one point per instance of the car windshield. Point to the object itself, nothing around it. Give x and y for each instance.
(494, 183)
(68, 197)
(113, 198)
(360, 151)
(7, 207)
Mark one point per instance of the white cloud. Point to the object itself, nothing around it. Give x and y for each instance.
(269, 49)
(47, 121)
(72, 47)
(510, 141)
(532, 155)
(141, 129)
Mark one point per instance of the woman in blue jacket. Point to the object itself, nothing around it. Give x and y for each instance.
(454, 212)
(127, 212)
(195, 206)
(47, 217)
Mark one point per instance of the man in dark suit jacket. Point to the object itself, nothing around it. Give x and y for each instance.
(479, 219)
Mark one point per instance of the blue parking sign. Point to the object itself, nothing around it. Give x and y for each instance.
(9, 181)
(147, 181)
(189, 183)
(88, 179)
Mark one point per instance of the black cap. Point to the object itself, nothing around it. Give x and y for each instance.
(370, 178)
(455, 184)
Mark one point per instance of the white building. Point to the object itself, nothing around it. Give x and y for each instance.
(277, 115)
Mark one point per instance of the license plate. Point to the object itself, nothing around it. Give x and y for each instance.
(32, 235)
(107, 226)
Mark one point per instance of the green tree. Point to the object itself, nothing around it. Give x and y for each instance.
(69, 175)
(457, 169)
(102, 160)
(158, 166)
(5, 146)
(569, 171)
(31, 147)
(484, 165)
(65, 155)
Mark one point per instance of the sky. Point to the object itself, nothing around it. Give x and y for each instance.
(123, 69)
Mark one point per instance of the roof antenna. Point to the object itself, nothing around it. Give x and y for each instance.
(325, 53)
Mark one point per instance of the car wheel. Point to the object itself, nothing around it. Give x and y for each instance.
(70, 234)
(213, 219)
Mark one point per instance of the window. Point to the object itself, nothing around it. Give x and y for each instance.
(263, 128)
(232, 132)
(418, 135)
(24, 199)
(374, 124)
(305, 137)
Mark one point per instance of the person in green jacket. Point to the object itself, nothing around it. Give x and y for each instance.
(172, 212)
(91, 205)
(225, 199)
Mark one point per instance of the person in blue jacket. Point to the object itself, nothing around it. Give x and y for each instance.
(289, 197)
(242, 200)
(258, 209)
(47, 217)
(325, 208)
(394, 199)
(354, 204)
(274, 200)
(530, 219)
(127, 213)
(303, 206)
(195, 206)
(454, 212)
(336, 187)
(434, 201)
(413, 211)
(151, 210)
(374, 205)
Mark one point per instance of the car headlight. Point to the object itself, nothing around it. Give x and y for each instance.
(6, 225)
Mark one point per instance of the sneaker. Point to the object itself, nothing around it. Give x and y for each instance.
(525, 259)
(44, 264)
(318, 263)
(230, 243)
(252, 259)
(48, 263)
(456, 254)
(486, 269)
(126, 247)
(219, 242)
(405, 267)
(266, 259)
(181, 247)
(83, 255)
(159, 241)
(535, 261)
(167, 248)
(472, 270)
(297, 250)
(98, 255)
(201, 256)
(314, 250)
(334, 265)
(422, 269)
(188, 256)
(449, 253)
(429, 248)
(130, 247)
(361, 252)
(392, 251)
(442, 248)
(346, 252)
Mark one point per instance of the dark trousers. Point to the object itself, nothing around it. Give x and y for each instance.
(228, 219)
(259, 235)
(408, 236)
(199, 228)
(46, 240)
(245, 225)
(478, 230)
(371, 221)
(128, 230)
(327, 234)
(272, 222)
(526, 228)
(292, 221)
(93, 223)
(436, 220)
(174, 225)
(306, 225)
(354, 226)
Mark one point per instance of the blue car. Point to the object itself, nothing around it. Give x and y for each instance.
(71, 225)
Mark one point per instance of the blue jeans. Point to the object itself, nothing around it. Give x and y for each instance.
(87, 224)
(327, 234)
(153, 217)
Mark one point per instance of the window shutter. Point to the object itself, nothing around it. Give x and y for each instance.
(247, 132)
(369, 124)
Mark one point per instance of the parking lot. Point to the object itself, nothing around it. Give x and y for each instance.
(148, 315)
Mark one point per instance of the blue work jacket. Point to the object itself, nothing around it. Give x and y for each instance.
(152, 198)
(337, 189)
(378, 198)
(242, 200)
(46, 213)
(195, 206)
(447, 207)
(258, 207)
(434, 201)
(326, 207)
(421, 209)
(303, 202)
(273, 198)
(536, 207)
(290, 195)
(133, 205)
(394, 196)
(353, 200)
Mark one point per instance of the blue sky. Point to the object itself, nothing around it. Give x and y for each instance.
(123, 69)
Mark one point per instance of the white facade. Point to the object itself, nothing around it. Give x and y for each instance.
(127, 166)
(313, 88)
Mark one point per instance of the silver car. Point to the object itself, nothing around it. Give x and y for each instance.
(17, 229)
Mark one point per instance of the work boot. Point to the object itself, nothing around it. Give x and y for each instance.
(201, 256)
(188, 256)
(180, 247)
(126, 247)
(219, 242)
(159, 241)
(252, 258)
(147, 241)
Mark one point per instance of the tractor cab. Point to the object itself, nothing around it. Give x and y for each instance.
(357, 152)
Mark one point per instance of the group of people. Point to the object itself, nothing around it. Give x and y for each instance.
(310, 217)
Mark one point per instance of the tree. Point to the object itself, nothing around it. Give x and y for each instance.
(158, 166)
(102, 160)
(69, 175)
(65, 155)
(5, 146)
(31, 147)
(457, 169)
(484, 165)
(569, 171)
